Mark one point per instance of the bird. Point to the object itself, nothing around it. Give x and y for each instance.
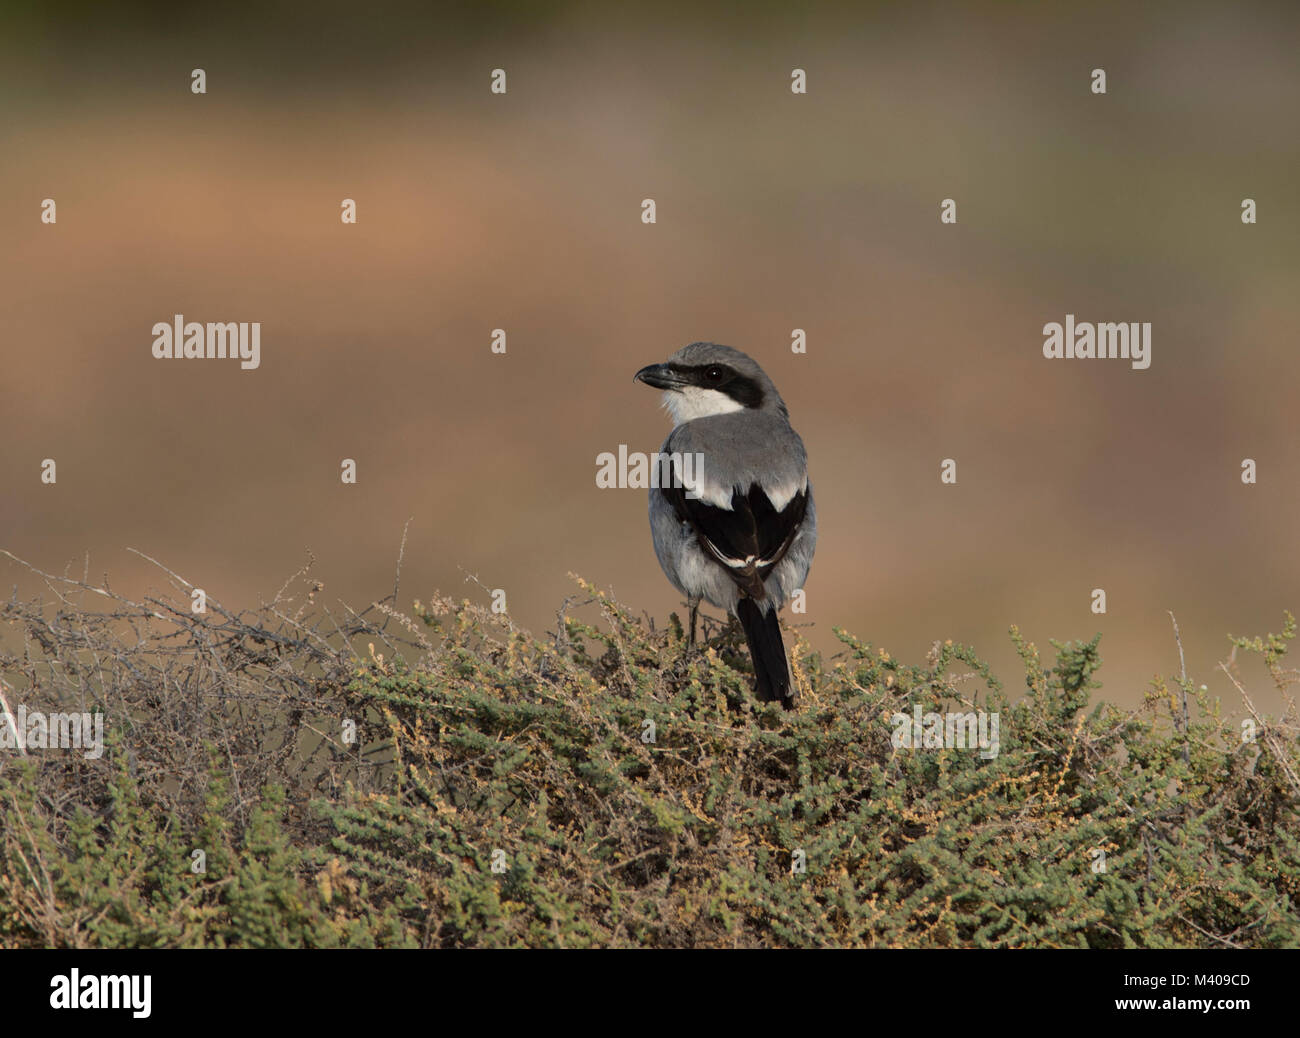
(739, 530)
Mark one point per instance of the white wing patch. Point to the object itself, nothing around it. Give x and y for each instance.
(783, 493)
(694, 479)
(719, 496)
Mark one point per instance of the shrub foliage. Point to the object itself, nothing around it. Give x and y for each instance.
(609, 786)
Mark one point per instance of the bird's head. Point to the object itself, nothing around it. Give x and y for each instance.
(705, 379)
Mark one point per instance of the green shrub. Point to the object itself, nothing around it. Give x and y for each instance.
(608, 786)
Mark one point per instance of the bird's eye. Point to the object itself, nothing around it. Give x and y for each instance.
(714, 374)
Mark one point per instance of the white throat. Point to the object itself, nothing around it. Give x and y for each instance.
(693, 402)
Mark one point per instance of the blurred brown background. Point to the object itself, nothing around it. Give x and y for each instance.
(775, 212)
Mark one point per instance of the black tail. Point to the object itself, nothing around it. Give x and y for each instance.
(763, 633)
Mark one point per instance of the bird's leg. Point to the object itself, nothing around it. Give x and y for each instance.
(695, 612)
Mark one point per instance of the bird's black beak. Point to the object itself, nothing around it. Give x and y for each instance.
(659, 376)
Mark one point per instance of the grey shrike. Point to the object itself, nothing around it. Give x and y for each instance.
(740, 529)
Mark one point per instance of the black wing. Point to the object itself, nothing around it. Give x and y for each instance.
(749, 539)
